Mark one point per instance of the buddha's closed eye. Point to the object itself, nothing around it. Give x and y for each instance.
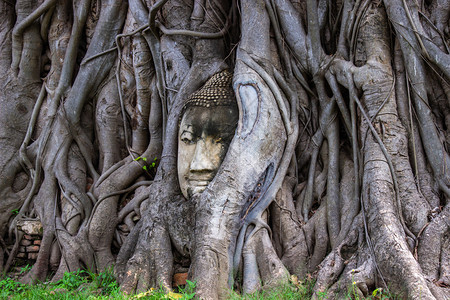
(187, 137)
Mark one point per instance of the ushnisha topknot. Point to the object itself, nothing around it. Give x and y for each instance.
(217, 91)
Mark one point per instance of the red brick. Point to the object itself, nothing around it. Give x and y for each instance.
(32, 256)
(37, 242)
(34, 248)
(25, 242)
(179, 279)
(89, 182)
(27, 237)
(21, 255)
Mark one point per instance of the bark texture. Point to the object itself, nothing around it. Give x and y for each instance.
(338, 168)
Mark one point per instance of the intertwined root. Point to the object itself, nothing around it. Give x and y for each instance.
(342, 142)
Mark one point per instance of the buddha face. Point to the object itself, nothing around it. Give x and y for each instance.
(203, 140)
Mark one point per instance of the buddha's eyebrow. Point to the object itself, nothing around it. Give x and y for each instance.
(187, 127)
(227, 126)
(223, 130)
(185, 131)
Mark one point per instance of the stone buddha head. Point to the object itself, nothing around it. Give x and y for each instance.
(208, 123)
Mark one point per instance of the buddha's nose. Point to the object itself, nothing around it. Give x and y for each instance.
(202, 160)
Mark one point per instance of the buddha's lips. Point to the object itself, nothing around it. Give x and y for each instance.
(200, 178)
(199, 182)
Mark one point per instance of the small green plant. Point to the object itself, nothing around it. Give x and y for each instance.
(72, 280)
(15, 212)
(353, 290)
(150, 166)
(382, 294)
(25, 269)
(188, 290)
(105, 281)
(9, 286)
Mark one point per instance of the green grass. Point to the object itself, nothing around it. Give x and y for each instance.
(291, 291)
(86, 285)
(83, 285)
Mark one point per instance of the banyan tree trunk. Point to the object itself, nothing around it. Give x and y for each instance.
(338, 168)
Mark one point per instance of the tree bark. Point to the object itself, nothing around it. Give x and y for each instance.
(338, 169)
